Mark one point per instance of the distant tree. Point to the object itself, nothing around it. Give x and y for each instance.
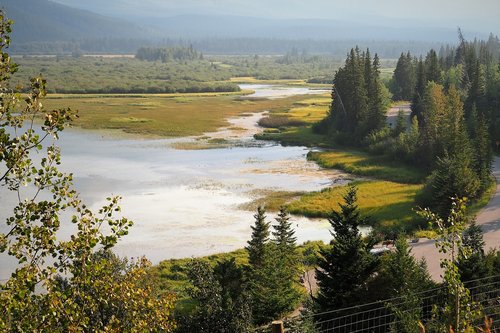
(377, 106)
(432, 67)
(482, 153)
(401, 124)
(404, 78)
(418, 95)
(432, 117)
(345, 267)
(359, 103)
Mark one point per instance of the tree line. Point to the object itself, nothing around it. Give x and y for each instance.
(454, 117)
(168, 54)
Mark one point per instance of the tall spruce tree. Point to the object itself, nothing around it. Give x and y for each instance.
(257, 246)
(403, 278)
(418, 96)
(432, 115)
(432, 67)
(345, 267)
(273, 270)
(284, 235)
(404, 78)
(452, 177)
(483, 153)
(358, 105)
(377, 106)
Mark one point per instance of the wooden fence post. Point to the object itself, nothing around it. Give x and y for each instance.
(278, 327)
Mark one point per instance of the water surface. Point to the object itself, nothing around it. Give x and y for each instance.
(187, 202)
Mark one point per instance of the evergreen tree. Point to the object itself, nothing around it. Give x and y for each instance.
(401, 124)
(223, 303)
(421, 84)
(483, 154)
(377, 106)
(285, 261)
(432, 116)
(284, 235)
(453, 132)
(404, 278)
(358, 102)
(257, 246)
(404, 78)
(273, 270)
(452, 177)
(345, 267)
(432, 67)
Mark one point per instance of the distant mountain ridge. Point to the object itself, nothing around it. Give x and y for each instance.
(44, 20)
(199, 26)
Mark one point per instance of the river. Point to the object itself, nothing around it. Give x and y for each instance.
(187, 203)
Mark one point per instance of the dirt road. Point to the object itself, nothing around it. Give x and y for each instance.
(488, 218)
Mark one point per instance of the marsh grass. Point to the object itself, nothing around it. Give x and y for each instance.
(300, 136)
(271, 200)
(390, 204)
(162, 116)
(363, 164)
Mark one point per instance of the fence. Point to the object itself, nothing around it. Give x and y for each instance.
(392, 315)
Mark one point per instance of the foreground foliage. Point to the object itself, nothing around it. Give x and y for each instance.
(61, 284)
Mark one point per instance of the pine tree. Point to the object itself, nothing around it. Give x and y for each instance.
(402, 277)
(432, 66)
(257, 246)
(345, 267)
(483, 154)
(453, 177)
(223, 303)
(285, 262)
(284, 235)
(358, 102)
(273, 270)
(404, 79)
(433, 110)
(377, 106)
(418, 96)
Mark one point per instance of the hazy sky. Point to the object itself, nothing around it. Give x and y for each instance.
(477, 15)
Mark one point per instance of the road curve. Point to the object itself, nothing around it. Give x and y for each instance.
(489, 220)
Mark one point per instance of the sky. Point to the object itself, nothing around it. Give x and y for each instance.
(475, 15)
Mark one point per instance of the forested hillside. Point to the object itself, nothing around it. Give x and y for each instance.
(44, 20)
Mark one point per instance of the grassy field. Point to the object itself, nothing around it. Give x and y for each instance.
(389, 204)
(362, 164)
(163, 115)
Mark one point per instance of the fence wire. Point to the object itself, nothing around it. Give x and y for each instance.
(392, 315)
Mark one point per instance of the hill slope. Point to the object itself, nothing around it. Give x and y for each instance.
(44, 20)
